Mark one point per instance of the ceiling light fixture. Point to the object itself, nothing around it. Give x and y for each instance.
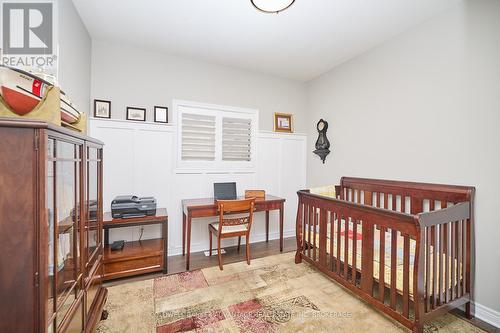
(272, 6)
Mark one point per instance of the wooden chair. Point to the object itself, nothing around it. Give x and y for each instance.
(233, 226)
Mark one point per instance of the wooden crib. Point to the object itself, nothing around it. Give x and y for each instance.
(404, 247)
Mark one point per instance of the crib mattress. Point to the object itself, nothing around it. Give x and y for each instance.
(376, 254)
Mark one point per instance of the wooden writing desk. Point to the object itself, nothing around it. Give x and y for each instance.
(207, 207)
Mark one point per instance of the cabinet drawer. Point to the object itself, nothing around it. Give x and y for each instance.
(130, 267)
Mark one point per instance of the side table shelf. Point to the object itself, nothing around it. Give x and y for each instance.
(137, 257)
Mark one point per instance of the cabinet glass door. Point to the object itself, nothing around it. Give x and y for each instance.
(93, 235)
(64, 184)
(50, 227)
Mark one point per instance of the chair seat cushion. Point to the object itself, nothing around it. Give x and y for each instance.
(230, 228)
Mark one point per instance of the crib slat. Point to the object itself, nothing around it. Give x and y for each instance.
(464, 256)
(332, 218)
(467, 269)
(428, 269)
(394, 248)
(304, 237)
(417, 206)
(369, 198)
(386, 200)
(339, 226)
(458, 233)
(354, 249)
(434, 266)
(367, 258)
(323, 232)
(309, 213)
(346, 247)
(381, 273)
(453, 256)
(305, 221)
(406, 276)
(403, 204)
(315, 224)
(441, 275)
(446, 263)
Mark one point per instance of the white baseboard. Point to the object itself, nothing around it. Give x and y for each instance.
(487, 315)
(203, 246)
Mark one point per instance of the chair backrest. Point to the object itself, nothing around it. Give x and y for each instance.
(244, 208)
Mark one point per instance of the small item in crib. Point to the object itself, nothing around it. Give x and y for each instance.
(118, 245)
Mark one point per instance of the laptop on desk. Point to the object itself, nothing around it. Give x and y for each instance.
(225, 191)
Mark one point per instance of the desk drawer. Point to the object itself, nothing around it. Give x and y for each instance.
(123, 268)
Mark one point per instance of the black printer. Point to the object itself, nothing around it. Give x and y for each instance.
(124, 206)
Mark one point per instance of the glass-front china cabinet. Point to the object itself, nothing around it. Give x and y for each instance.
(51, 230)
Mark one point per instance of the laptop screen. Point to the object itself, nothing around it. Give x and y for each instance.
(225, 191)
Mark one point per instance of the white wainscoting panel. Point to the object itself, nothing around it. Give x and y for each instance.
(139, 159)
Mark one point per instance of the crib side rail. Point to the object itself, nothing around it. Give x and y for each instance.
(328, 237)
(402, 189)
(446, 257)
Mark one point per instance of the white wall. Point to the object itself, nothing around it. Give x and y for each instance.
(424, 106)
(139, 158)
(74, 55)
(133, 77)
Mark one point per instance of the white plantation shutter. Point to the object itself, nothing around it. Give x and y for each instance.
(214, 138)
(236, 139)
(198, 137)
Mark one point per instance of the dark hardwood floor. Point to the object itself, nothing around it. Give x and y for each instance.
(177, 264)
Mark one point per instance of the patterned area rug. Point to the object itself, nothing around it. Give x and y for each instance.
(273, 294)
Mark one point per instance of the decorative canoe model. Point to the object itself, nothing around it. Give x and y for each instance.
(22, 91)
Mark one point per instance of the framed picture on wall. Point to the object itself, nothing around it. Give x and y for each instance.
(283, 122)
(161, 114)
(136, 114)
(102, 109)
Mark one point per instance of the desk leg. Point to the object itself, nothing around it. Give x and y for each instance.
(183, 234)
(281, 228)
(164, 230)
(267, 226)
(188, 245)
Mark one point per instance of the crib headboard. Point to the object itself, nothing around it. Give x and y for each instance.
(409, 197)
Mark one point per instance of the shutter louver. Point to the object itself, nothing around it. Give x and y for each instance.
(236, 139)
(198, 137)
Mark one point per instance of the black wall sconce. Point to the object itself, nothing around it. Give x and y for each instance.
(322, 144)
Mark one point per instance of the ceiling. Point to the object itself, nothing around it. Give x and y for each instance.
(301, 43)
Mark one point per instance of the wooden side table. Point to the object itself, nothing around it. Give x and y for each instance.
(137, 257)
